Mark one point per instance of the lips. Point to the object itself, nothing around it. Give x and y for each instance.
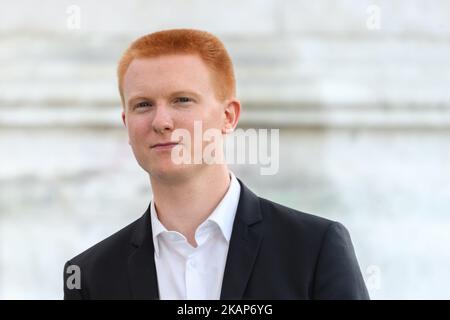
(164, 145)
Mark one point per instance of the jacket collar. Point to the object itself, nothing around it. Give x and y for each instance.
(141, 263)
(244, 245)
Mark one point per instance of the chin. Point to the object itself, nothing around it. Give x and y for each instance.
(171, 172)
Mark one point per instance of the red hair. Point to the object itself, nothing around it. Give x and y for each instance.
(184, 41)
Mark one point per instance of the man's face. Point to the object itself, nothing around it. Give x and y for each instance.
(163, 94)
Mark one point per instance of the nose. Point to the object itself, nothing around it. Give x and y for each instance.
(162, 120)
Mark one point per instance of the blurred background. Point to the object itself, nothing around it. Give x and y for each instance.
(359, 90)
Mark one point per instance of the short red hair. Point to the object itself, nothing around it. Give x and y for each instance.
(184, 41)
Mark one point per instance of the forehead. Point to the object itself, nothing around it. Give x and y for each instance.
(165, 73)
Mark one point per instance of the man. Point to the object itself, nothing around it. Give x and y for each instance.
(205, 235)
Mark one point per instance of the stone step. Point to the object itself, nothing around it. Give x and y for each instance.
(55, 70)
(319, 117)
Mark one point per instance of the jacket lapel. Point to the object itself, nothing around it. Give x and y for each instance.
(244, 245)
(141, 263)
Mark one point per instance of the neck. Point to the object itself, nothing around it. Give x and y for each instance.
(183, 205)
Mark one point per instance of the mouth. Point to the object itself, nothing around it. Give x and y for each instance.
(163, 146)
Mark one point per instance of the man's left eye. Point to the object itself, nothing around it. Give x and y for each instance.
(183, 99)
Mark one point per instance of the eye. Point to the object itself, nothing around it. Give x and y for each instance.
(142, 104)
(183, 99)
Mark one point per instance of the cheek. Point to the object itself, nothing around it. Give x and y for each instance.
(138, 129)
(214, 120)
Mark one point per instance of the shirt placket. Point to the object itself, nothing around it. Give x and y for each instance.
(194, 285)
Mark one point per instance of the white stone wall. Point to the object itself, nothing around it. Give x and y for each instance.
(364, 119)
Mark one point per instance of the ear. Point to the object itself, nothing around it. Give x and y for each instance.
(125, 124)
(232, 113)
(123, 119)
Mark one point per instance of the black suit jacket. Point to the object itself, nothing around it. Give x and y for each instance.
(274, 253)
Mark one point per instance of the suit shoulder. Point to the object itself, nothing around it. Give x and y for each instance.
(292, 218)
(109, 246)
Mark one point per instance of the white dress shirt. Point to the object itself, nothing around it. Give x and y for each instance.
(185, 272)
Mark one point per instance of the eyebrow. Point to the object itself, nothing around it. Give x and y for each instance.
(176, 93)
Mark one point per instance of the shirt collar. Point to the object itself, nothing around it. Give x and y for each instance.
(223, 215)
(157, 227)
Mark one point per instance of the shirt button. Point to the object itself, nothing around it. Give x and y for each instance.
(192, 263)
